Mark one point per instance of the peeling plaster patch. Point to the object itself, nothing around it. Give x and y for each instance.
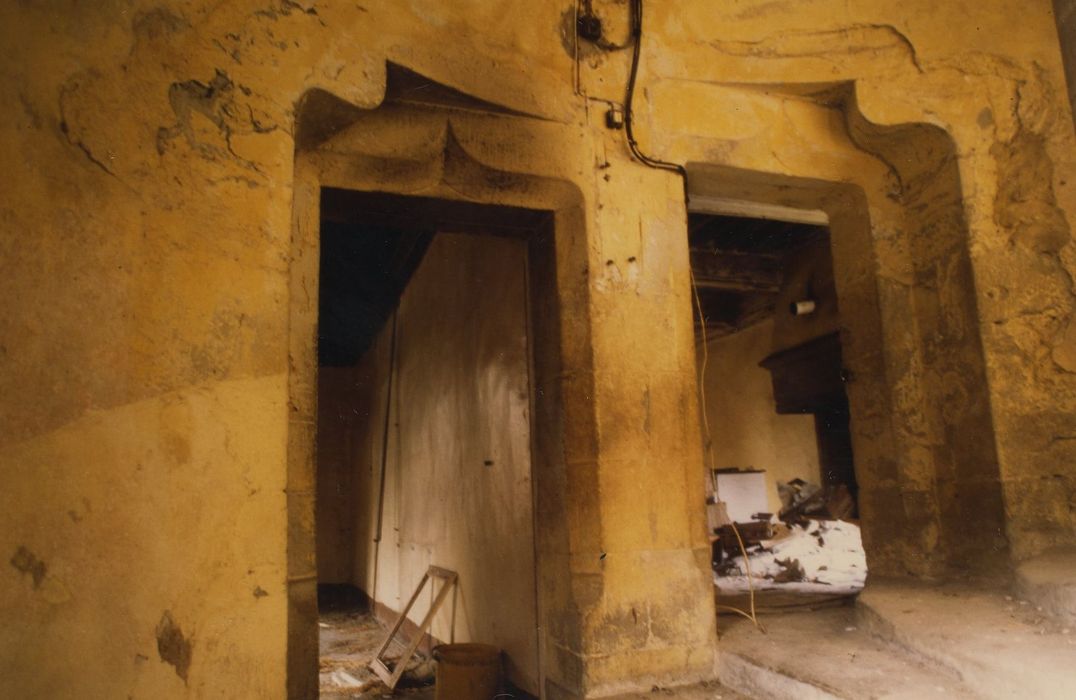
(1064, 353)
(173, 647)
(1025, 204)
(27, 562)
(567, 31)
(214, 102)
(766, 8)
(610, 278)
(434, 13)
(259, 592)
(1027, 211)
(284, 8)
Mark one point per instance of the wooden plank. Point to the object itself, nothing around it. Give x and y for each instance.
(736, 271)
(403, 616)
(726, 206)
(402, 663)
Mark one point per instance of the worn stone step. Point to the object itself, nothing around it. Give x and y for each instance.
(1049, 581)
(998, 647)
(825, 655)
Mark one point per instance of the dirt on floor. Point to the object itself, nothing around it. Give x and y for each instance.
(707, 690)
(348, 641)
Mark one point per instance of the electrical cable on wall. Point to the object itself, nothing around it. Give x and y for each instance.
(636, 40)
(633, 145)
(629, 101)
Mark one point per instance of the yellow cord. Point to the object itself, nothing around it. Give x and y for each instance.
(738, 612)
(750, 582)
(710, 451)
(702, 382)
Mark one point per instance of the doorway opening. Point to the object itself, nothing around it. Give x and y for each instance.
(776, 415)
(424, 432)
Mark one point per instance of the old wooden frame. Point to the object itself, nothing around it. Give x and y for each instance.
(391, 677)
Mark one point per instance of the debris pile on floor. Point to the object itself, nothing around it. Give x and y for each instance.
(801, 500)
(821, 556)
(347, 642)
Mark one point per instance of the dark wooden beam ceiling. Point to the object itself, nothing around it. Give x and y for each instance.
(738, 265)
(714, 269)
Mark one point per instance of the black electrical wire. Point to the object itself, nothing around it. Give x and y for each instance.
(633, 145)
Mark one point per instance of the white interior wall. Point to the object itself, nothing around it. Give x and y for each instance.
(458, 478)
(746, 428)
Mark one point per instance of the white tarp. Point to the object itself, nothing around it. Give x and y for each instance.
(829, 552)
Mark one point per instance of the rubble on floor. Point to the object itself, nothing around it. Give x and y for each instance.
(801, 500)
(822, 556)
(347, 641)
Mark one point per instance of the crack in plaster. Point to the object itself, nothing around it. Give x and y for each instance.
(66, 129)
(849, 40)
(285, 8)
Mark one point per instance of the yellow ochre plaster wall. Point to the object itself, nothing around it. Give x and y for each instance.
(156, 372)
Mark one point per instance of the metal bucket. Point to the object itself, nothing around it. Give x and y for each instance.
(467, 671)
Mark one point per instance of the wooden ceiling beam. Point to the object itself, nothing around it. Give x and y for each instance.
(736, 271)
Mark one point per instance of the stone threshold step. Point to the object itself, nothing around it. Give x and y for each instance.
(825, 655)
(1000, 647)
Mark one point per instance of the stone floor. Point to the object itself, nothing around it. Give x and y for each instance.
(1049, 581)
(703, 691)
(349, 639)
(1000, 644)
(898, 641)
(825, 654)
(904, 640)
